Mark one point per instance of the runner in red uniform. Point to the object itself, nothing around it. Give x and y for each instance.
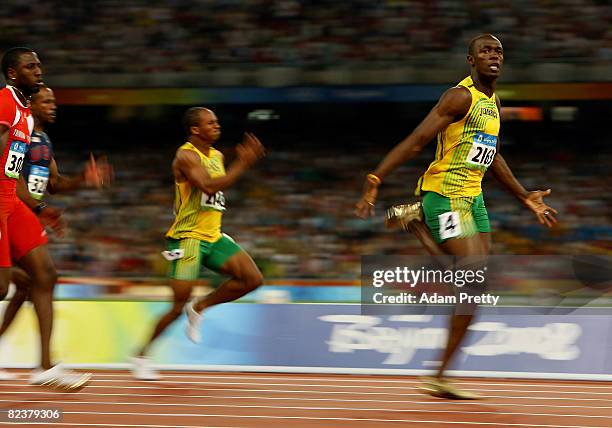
(22, 239)
(23, 74)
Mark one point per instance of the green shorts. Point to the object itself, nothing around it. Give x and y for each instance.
(455, 217)
(188, 255)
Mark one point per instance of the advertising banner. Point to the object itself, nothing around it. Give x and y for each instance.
(319, 337)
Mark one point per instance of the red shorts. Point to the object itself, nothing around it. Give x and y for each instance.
(20, 231)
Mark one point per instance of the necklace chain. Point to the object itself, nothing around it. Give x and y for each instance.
(18, 90)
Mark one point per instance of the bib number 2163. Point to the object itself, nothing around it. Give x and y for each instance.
(482, 153)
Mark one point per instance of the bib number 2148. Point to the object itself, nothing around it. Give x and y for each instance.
(215, 201)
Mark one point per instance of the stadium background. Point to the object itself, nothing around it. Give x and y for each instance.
(329, 87)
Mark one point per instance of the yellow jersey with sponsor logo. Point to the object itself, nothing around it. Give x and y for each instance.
(197, 214)
(465, 149)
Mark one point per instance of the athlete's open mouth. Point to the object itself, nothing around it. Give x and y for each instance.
(494, 67)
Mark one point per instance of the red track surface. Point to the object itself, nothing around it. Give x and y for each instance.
(213, 399)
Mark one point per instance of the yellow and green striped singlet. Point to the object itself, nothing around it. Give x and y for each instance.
(198, 215)
(465, 149)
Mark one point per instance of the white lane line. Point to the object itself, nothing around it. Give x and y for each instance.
(210, 375)
(330, 419)
(257, 397)
(315, 385)
(59, 424)
(357, 371)
(354, 409)
(156, 387)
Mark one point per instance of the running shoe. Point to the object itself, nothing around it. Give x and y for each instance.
(194, 320)
(443, 389)
(4, 375)
(59, 378)
(143, 370)
(402, 215)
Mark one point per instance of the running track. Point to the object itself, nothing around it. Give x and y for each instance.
(214, 399)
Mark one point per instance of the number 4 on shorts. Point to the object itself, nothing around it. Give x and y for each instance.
(449, 225)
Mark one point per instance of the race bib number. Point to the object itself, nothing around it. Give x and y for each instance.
(484, 147)
(14, 160)
(172, 255)
(449, 225)
(37, 181)
(215, 202)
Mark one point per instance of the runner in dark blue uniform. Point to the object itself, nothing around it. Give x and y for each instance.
(41, 174)
(37, 162)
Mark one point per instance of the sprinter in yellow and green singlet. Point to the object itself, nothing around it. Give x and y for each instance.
(452, 183)
(466, 123)
(195, 238)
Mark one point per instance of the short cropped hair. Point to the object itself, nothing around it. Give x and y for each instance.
(10, 59)
(192, 118)
(475, 39)
(40, 90)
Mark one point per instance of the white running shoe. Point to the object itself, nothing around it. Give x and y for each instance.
(142, 369)
(193, 323)
(58, 378)
(4, 375)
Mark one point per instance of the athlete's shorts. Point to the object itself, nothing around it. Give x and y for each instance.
(20, 231)
(455, 217)
(7, 206)
(188, 255)
(25, 230)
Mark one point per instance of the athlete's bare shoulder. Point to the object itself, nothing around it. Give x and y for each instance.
(455, 101)
(183, 159)
(185, 156)
(216, 153)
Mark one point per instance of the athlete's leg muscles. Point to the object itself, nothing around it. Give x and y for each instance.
(423, 234)
(22, 282)
(245, 277)
(5, 279)
(182, 291)
(39, 266)
(5, 256)
(485, 242)
(459, 322)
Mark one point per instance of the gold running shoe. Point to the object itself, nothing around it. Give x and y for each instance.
(443, 389)
(402, 215)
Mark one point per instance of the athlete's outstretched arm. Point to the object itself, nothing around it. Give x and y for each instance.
(532, 200)
(96, 173)
(501, 171)
(452, 106)
(188, 162)
(61, 183)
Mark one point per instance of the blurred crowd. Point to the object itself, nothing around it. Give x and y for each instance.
(110, 36)
(294, 213)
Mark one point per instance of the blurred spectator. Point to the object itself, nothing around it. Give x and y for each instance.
(296, 218)
(129, 36)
